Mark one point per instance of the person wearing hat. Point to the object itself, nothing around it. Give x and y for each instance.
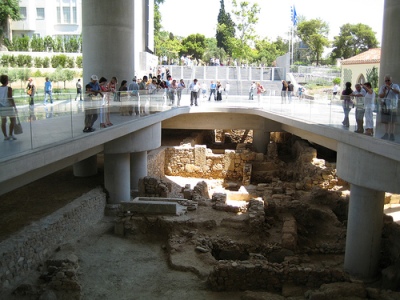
(90, 106)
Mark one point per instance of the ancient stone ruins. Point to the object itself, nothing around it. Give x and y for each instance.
(273, 225)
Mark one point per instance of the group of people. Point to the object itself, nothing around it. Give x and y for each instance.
(363, 100)
(287, 91)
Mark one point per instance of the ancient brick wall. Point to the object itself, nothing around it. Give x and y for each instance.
(24, 251)
(262, 275)
(200, 162)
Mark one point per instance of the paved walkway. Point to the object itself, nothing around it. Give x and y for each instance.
(48, 124)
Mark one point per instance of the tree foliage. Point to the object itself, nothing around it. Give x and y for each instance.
(353, 39)
(268, 51)
(9, 9)
(314, 33)
(246, 17)
(225, 29)
(194, 45)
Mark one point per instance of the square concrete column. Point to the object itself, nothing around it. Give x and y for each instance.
(117, 177)
(364, 232)
(138, 169)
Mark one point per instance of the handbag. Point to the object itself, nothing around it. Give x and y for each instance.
(29, 92)
(385, 110)
(18, 127)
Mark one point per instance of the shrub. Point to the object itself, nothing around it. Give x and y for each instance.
(9, 44)
(4, 61)
(79, 62)
(20, 60)
(46, 62)
(12, 61)
(37, 73)
(336, 80)
(37, 44)
(38, 62)
(28, 61)
(59, 61)
(70, 62)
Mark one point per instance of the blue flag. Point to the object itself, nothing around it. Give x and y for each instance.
(293, 15)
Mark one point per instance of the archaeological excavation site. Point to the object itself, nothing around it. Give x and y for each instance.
(214, 219)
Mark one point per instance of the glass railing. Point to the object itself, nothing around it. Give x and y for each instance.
(65, 118)
(44, 125)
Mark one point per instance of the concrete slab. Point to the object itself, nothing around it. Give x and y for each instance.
(154, 207)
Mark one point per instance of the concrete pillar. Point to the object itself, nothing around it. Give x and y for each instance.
(117, 177)
(138, 169)
(364, 230)
(390, 63)
(86, 167)
(261, 139)
(108, 34)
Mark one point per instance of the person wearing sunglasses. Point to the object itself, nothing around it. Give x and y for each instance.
(388, 94)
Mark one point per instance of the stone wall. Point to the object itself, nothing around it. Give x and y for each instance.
(200, 162)
(155, 162)
(26, 250)
(263, 275)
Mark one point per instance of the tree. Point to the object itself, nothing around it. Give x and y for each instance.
(157, 24)
(9, 10)
(194, 45)
(353, 40)
(246, 19)
(225, 29)
(267, 51)
(314, 34)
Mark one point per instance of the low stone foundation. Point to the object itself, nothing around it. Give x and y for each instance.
(263, 275)
(32, 246)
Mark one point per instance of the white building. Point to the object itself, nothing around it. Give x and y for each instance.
(48, 18)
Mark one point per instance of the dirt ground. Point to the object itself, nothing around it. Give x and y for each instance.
(111, 267)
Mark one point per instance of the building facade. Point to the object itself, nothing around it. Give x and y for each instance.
(52, 18)
(359, 68)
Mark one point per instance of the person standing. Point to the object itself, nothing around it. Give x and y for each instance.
(31, 90)
(369, 106)
(213, 88)
(359, 95)
(133, 89)
(78, 89)
(194, 89)
(204, 89)
(172, 91)
(389, 93)
(253, 87)
(48, 91)
(260, 91)
(347, 103)
(290, 88)
(335, 90)
(219, 91)
(181, 87)
(91, 106)
(227, 88)
(7, 108)
(284, 91)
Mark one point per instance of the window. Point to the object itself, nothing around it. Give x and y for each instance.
(74, 15)
(22, 12)
(39, 13)
(66, 15)
(58, 15)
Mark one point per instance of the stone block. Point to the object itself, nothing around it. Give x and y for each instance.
(154, 207)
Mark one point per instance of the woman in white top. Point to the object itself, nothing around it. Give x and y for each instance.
(369, 106)
(7, 108)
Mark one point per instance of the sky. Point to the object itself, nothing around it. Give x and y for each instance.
(183, 18)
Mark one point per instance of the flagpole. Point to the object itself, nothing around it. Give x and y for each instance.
(291, 62)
